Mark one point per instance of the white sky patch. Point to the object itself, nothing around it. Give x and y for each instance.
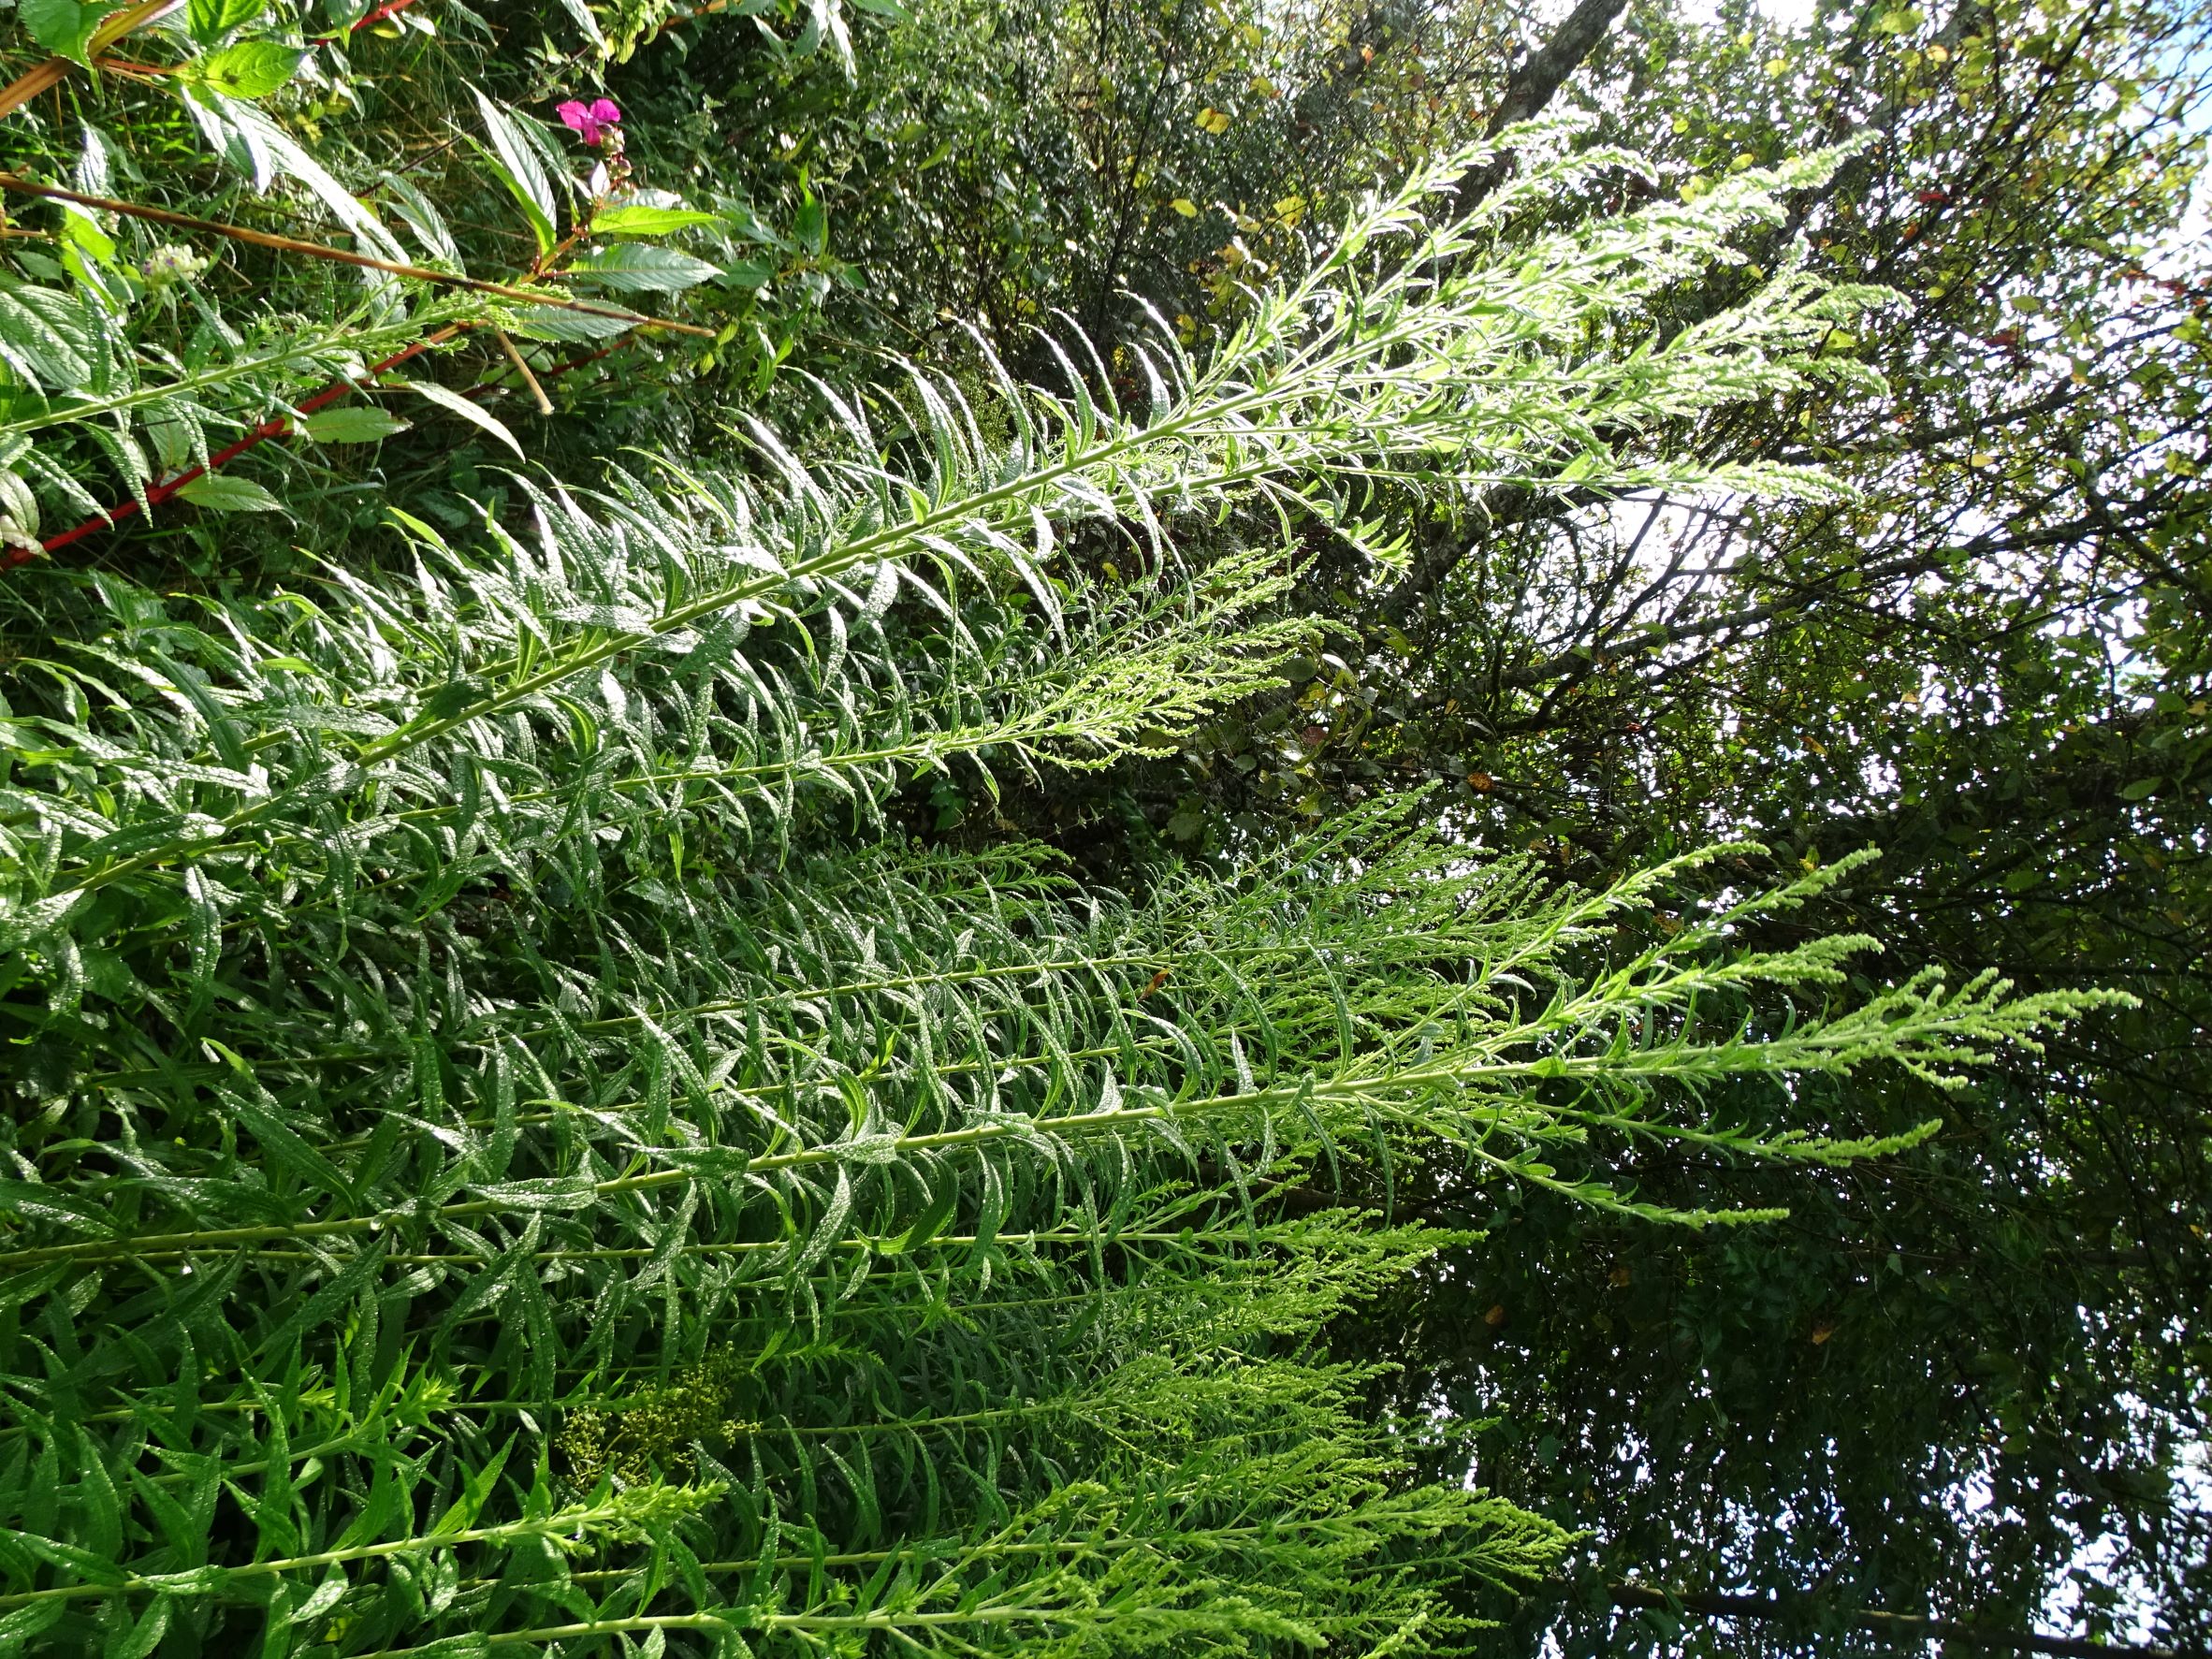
(1782, 14)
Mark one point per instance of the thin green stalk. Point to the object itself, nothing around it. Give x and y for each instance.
(563, 1523)
(366, 342)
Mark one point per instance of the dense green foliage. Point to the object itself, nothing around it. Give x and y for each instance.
(753, 903)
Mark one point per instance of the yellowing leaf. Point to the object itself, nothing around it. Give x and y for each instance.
(1185, 206)
(1212, 121)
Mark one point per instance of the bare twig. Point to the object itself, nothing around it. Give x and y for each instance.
(1903, 1627)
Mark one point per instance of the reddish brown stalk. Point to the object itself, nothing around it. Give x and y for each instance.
(50, 73)
(285, 244)
(267, 429)
(30, 85)
(274, 428)
(376, 17)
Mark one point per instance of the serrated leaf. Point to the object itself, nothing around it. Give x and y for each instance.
(277, 151)
(18, 1625)
(476, 1488)
(210, 20)
(44, 333)
(250, 69)
(424, 219)
(571, 327)
(337, 1291)
(635, 267)
(635, 221)
(63, 27)
(134, 1639)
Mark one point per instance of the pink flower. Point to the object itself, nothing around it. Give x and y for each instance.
(592, 121)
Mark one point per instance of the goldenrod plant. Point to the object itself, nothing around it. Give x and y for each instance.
(517, 1146)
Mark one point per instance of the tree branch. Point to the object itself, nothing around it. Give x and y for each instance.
(1534, 83)
(1904, 1627)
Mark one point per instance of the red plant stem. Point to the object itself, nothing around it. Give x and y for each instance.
(605, 351)
(273, 428)
(267, 429)
(376, 17)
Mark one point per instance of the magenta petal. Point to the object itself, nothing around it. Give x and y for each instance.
(606, 112)
(574, 114)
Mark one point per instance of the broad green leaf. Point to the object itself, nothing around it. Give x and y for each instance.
(810, 229)
(63, 27)
(358, 424)
(208, 21)
(219, 494)
(545, 323)
(250, 69)
(635, 267)
(46, 333)
(636, 221)
(469, 410)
